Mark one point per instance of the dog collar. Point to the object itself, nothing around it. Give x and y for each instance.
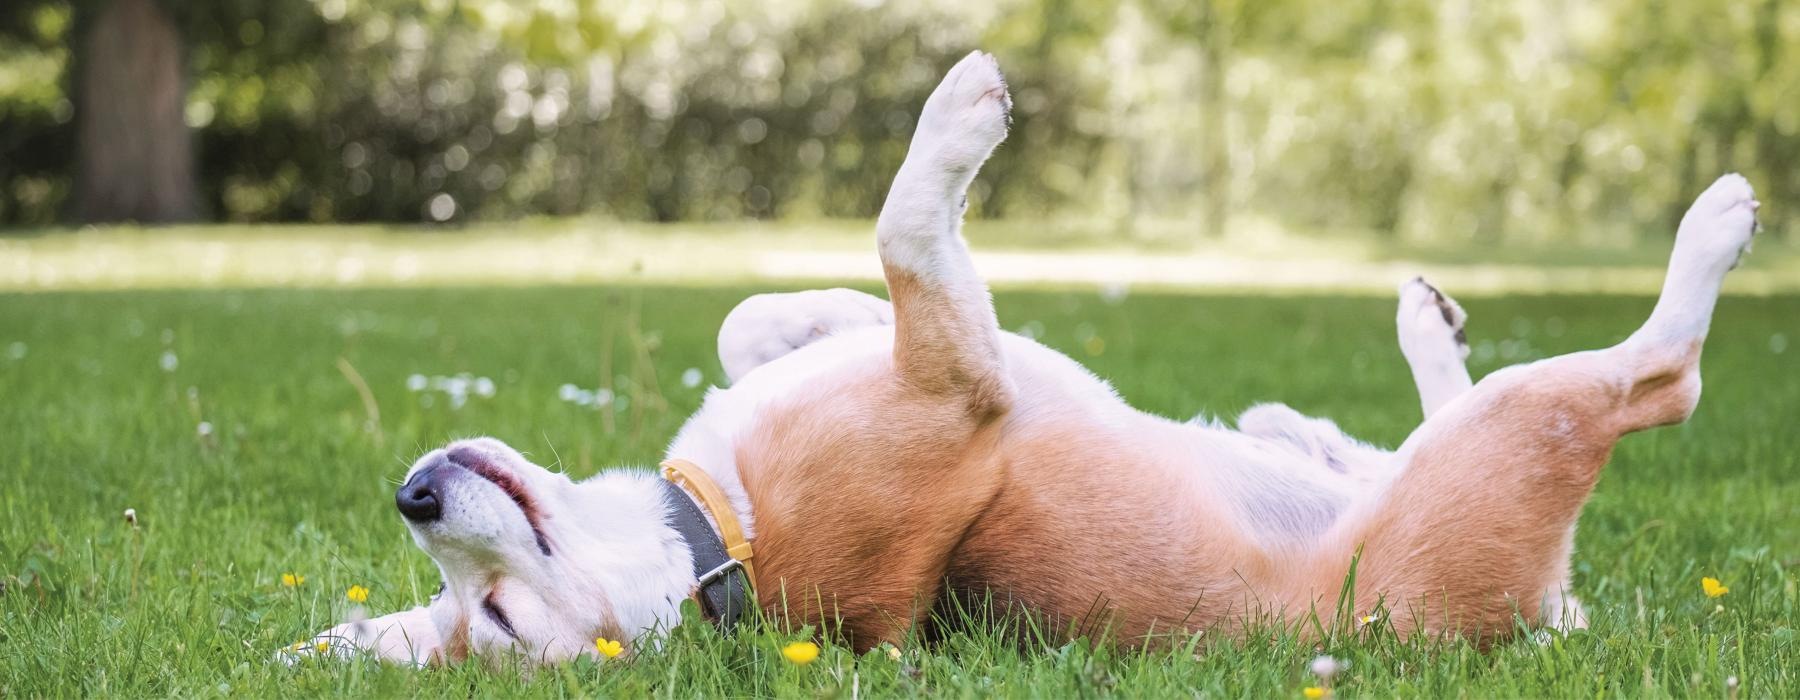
(721, 557)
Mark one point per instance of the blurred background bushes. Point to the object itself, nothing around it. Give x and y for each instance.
(1447, 121)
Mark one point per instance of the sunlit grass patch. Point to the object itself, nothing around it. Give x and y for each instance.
(1011, 254)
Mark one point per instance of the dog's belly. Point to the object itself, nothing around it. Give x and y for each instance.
(1121, 530)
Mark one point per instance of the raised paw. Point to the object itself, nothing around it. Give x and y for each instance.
(965, 117)
(1430, 324)
(1719, 226)
(767, 326)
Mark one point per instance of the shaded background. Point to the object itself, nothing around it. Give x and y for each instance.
(1536, 120)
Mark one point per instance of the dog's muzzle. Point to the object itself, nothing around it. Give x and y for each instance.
(418, 498)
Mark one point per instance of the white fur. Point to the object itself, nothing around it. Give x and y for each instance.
(767, 326)
(1714, 234)
(1431, 343)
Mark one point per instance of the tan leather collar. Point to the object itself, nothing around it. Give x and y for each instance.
(691, 478)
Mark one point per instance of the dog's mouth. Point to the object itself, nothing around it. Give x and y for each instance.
(478, 464)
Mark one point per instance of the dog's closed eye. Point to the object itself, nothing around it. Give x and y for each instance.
(498, 616)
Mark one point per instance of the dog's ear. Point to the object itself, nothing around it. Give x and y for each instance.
(407, 637)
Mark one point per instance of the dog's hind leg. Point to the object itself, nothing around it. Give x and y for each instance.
(767, 326)
(1476, 526)
(1436, 347)
(946, 340)
(1430, 326)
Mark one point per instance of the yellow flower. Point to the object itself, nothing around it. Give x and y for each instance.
(801, 653)
(291, 579)
(298, 646)
(357, 594)
(608, 647)
(895, 654)
(1313, 692)
(323, 647)
(1712, 587)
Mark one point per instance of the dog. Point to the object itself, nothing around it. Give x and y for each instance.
(870, 461)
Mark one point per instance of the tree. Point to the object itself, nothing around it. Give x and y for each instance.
(135, 160)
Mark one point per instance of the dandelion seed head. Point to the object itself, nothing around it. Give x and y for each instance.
(169, 361)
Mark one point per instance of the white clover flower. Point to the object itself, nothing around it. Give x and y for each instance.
(484, 387)
(417, 382)
(169, 361)
(205, 429)
(691, 377)
(1325, 667)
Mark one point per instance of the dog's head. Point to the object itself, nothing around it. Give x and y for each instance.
(533, 562)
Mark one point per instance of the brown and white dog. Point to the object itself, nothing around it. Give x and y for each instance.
(883, 458)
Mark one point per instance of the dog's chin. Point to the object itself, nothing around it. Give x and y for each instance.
(476, 544)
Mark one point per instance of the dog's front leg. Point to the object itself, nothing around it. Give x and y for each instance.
(406, 637)
(946, 337)
(766, 327)
(904, 436)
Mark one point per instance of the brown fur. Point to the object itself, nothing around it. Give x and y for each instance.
(869, 497)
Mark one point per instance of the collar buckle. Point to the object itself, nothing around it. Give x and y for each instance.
(720, 571)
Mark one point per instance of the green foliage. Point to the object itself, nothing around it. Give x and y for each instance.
(1434, 121)
(291, 478)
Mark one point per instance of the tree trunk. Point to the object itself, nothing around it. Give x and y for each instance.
(1215, 194)
(136, 160)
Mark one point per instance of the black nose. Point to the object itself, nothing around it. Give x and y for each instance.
(417, 499)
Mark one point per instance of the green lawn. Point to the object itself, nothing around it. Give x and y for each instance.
(105, 392)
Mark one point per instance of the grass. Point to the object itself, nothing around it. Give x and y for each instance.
(105, 390)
